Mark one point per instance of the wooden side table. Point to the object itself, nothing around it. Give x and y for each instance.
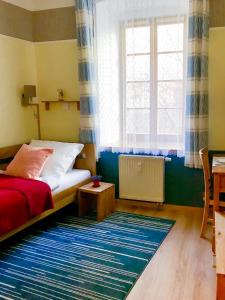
(104, 196)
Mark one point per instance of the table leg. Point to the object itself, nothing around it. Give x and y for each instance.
(113, 200)
(216, 198)
(101, 206)
(220, 293)
(83, 205)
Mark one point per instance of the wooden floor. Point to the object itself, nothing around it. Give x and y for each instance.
(182, 267)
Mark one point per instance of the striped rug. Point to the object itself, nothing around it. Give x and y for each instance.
(74, 258)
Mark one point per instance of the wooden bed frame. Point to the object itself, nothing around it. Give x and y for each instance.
(86, 160)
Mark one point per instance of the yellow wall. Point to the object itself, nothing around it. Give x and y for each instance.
(217, 89)
(55, 64)
(57, 68)
(17, 61)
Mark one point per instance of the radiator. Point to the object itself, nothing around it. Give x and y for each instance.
(141, 177)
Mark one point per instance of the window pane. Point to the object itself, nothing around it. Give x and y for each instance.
(138, 40)
(138, 121)
(170, 37)
(138, 95)
(169, 121)
(138, 68)
(170, 66)
(170, 94)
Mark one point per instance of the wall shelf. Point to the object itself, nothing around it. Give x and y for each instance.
(48, 103)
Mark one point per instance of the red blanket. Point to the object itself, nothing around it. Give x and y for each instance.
(20, 200)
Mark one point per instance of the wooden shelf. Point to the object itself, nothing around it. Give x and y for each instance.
(49, 102)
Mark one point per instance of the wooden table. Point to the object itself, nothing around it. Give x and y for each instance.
(218, 171)
(220, 255)
(104, 196)
(218, 245)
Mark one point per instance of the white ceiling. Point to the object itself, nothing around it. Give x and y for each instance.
(41, 4)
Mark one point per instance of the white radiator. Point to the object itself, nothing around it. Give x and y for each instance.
(141, 177)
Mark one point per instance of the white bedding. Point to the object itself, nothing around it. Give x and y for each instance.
(52, 181)
(71, 178)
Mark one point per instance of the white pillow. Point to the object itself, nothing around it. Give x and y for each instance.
(61, 160)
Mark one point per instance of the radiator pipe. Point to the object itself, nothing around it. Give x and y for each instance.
(167, 159)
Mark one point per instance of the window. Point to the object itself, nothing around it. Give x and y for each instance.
(141, 53)
(153, 83)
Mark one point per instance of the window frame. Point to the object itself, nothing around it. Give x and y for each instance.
(153, 24)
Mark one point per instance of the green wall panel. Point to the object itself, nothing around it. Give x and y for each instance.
(183, 186)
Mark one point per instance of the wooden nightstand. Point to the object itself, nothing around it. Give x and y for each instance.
(102, 197)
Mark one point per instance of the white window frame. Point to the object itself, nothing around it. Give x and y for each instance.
(153, 23)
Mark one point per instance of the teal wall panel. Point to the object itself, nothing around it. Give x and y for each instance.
(183, 186)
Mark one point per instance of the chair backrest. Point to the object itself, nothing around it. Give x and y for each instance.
(204, 157)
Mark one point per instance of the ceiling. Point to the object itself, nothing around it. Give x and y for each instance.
(41, 4)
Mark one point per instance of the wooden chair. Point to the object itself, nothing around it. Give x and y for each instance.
(208, 193)
(204, 157)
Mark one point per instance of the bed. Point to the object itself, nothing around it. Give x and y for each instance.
(65, 193)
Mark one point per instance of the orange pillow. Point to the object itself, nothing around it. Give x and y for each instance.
(28, 162)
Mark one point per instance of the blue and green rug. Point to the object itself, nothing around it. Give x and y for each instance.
(74, 258)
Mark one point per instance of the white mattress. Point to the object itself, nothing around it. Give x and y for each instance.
(68, 180)
(71, 178)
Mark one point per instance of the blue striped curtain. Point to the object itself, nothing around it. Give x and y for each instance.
(85, 43)
(196, 135)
